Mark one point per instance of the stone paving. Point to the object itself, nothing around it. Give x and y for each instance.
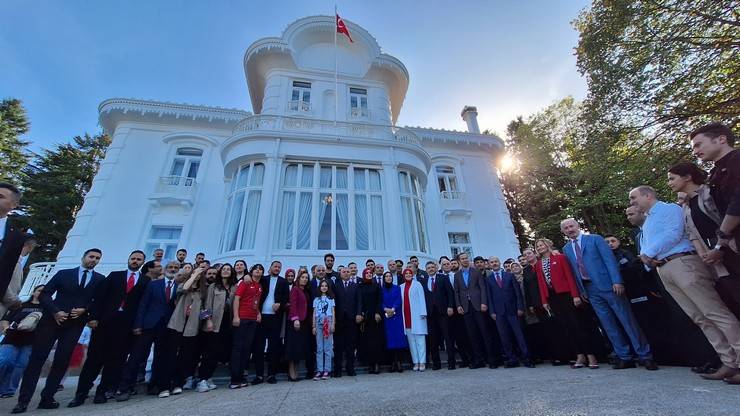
(545, 390)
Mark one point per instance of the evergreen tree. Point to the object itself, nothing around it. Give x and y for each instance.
(13, 123)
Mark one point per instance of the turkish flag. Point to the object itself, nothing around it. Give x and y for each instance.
(342, 28)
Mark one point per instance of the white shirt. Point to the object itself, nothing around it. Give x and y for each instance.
(136, 276)
(168, 281)
(88, 277)
(451, 276)
(270, 299)
(3, 222)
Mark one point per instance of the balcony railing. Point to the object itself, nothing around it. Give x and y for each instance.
(273, 123)
(299, 106)
(452, 195)
(175, 189)
(359, 112)
(38, 274)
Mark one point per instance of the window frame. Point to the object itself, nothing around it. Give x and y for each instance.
(234, 190)
(358, 111)
(461, 247)
(162, 242)
(415, 197)
(301, 104)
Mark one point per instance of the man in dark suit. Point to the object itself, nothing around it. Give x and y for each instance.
(456, 322)
(63, 320)
(471, 298)
(440, 300)
(348, 314)
(275, 297)
(11, 237)
(506, 306)
(112, 316)
(150, 327)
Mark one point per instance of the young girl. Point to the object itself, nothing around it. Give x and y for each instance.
(246, 316)
(297, 333)
(323, 329)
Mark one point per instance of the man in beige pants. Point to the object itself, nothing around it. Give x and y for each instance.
(664, 245)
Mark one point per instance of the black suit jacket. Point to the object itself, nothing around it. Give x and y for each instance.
(282, 292)
(111, 293)
(348, 301)
(442, 296)
(10, 251)
(66, 285)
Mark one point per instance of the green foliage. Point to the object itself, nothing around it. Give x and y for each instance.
(55, 184)
(13, 123)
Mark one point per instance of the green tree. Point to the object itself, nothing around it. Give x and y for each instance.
(55, 185)
(660, 67)
(13, 156)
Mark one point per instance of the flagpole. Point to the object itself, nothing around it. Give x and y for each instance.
(336, 82)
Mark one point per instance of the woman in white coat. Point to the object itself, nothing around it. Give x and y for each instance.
(414, 312)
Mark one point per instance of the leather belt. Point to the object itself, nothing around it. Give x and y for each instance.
(676, 256)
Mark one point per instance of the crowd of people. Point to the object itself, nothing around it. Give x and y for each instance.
(581, 304)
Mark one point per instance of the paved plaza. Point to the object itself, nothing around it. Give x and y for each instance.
(544, 390)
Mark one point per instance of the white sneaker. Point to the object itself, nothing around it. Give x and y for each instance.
(163, 394)
(189, 382)
(202, 387)
(211, 385)
(177, 390)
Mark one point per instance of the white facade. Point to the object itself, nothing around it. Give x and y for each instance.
(291, 182)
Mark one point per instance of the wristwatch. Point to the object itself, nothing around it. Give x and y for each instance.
(722, 235)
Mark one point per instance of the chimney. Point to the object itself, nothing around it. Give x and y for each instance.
(470, 115)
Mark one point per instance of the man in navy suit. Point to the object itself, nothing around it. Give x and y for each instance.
(440, 300)
(150, 327)
(112, 318)
(11, 237)
(598, 279)
(64, 318)
(273, 305)
(506, 306)
(348, 315)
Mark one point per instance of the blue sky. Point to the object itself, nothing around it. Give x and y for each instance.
(62, 59)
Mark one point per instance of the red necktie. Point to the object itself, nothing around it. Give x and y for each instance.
(129, 286)
(168, 291)
(434, 284)
(499, 281)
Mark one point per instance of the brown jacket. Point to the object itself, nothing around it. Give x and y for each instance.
(188, 325)
(216, 304)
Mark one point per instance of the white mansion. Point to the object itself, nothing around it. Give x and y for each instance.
(315, 169)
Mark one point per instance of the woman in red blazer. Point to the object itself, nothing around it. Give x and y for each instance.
(561, 299)
(298, 336)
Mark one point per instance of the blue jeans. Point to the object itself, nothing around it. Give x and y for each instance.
(324, 346)
(13, 361)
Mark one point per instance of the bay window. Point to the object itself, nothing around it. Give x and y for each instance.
(243, 204)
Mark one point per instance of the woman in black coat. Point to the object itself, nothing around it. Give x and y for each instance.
(371, 345)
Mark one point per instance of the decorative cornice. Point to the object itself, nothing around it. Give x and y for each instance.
(457, 137)
(141, 108)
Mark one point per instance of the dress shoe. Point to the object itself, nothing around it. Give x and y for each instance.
(77, 401)
(257, 380)
(493, 366)
(511, 364)
(649, 364)
(733, 380)
(271, 380)
(475, 366)
(109, 395)
(451, 366)
(48, 404)
(436, 366)
(20, 408)
(707, 368)
(351, 373)
(721, 374)
(623, 364)
(337, 374)
(529, 364)
(124, 396)
(100, 399)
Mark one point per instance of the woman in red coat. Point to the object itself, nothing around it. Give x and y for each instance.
(561, 299)
(298, 335)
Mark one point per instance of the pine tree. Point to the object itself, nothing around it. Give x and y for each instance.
(13, 156)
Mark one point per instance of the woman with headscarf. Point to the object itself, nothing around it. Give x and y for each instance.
(414, 312)
(370, 348)
(395, 339)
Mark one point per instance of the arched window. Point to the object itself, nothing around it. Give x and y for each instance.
(412, 207)
(244, 203)
(447, 181)
(330, 207)
(184, 169)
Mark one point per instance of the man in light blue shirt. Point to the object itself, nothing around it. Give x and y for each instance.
(686, 277)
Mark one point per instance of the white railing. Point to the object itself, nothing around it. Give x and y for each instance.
(38, 274)
(359, 112)
(176, 185)
(299, 105)
(274, 123)
(452, 195)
